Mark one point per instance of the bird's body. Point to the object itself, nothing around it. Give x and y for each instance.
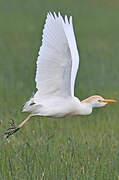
(57, 66)
(59, 107)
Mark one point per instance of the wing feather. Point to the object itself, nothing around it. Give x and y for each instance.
(55, 75)
(68, 28)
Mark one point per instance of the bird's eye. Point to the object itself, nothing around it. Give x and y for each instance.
(99, 100)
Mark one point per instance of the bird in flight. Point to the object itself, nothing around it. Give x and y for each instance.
(57, 66)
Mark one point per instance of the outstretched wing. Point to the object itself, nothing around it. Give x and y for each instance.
(58, 59)
(69, 32)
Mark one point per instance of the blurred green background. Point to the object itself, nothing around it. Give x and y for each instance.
(70, 148)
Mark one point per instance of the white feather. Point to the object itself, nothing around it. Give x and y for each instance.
(58, 59)
(57, 66)
(69, 32)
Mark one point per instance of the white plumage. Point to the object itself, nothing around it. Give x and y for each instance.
(58, 59)
(57, 66)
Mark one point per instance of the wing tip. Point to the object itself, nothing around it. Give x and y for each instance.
(55, 15)
(70, 20)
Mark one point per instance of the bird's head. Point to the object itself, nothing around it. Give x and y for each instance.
(98, 101)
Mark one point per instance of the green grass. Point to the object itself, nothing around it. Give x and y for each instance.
(77, 148)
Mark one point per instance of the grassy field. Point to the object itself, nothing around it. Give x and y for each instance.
(77, 148)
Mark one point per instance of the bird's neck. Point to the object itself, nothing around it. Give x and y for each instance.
(89, 101)
(83, 108)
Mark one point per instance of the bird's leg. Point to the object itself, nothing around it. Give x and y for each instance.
(15, 128)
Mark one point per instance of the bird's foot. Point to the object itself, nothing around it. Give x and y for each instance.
(11, 130)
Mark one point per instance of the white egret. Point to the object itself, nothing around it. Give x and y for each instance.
(57, 66)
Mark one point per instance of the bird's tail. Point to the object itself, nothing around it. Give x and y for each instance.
(27, 105)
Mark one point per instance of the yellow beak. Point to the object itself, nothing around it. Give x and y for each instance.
(108, 100)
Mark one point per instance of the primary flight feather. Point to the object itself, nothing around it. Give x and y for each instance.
(58, 59)
(57, 66)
